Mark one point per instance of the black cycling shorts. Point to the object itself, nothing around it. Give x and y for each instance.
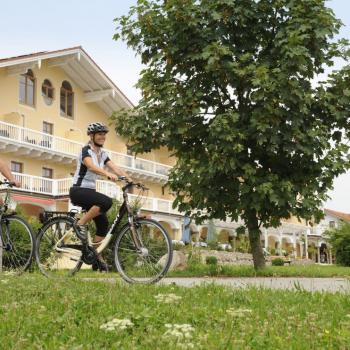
(87, 198)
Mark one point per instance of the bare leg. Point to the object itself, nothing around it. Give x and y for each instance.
(92, 213)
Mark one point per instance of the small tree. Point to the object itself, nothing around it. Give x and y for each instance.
(228, 88)
(339, 238)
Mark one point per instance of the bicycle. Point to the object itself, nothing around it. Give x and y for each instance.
(142, 251)
(16, 238)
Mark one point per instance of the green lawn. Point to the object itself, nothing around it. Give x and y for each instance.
(37, 313)
(199, 270)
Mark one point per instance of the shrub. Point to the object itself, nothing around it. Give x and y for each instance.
(277, 262)
(211, 260)
(339, 238)
(178, 246)
(212, 245)
(243, 245)
(194, 257)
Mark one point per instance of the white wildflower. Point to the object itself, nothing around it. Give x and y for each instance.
(238, 312)
(117, 324)
(181, 334)
(167, 298)
(9, 273)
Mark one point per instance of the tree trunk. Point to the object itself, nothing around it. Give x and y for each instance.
(255, 242)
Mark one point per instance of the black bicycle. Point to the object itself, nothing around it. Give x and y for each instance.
(142, 251)
(16, 237)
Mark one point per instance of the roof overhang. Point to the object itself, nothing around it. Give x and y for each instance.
(81, 68)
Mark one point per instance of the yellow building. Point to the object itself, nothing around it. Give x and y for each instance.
(47, 99)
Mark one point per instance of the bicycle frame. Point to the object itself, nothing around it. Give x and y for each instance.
(124, 209)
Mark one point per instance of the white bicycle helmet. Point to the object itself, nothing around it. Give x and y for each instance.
(94, 128)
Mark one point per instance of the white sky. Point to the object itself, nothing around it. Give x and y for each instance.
(31, 26)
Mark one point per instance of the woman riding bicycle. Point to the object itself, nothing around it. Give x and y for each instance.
(91, 162)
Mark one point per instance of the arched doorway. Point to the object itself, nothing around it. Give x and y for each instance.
(273, 244)
(169, 228)
(299, 249)
(324, 254)
(312, 250)
(224, 236)
(203, 234)
(287, 246)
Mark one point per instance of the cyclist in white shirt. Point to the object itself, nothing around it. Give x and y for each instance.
(92, 161)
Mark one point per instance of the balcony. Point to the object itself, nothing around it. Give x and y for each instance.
(60, 187)
(34, 144)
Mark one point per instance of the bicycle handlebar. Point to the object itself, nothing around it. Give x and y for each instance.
(8, 183)
(128, 183)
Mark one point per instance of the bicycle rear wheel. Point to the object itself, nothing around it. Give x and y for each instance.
(151, 263)
(58, 249)
(17, 244)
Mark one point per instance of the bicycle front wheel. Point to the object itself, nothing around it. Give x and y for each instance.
(58, 249)
(16, 244)
(149, 264)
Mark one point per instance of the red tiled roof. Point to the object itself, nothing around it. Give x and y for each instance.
(338, 214)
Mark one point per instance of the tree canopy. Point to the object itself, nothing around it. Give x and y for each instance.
(230, 88)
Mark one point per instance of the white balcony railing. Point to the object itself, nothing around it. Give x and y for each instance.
(39, 139)
(60, 187)
(33, 138)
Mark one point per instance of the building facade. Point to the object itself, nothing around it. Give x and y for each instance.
(47, 99)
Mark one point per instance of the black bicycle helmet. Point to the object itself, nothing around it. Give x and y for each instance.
(94, 128)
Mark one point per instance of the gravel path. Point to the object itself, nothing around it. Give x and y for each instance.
(287, 283)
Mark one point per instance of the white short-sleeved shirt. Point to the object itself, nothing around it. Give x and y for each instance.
(84, 177)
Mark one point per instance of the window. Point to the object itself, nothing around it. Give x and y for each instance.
(47, 173)
(128, 150)
(47, 91)
(27, 88)
(17, 167)
(332, 224)
(66, 100)
(48, 128)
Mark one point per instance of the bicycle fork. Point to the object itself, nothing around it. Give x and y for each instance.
(136, 237)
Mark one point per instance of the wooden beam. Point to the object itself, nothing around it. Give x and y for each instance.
(62, 61)
(20, 69)
(96, 96)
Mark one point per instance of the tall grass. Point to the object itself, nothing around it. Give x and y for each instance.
(37, 313)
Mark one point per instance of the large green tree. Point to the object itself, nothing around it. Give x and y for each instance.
(229, 87)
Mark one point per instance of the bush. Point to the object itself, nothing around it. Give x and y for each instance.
(243, 245)
(194, 257)
(213, 245)
(178, 246)
(339, 238)
(211, 260)
(277, 262)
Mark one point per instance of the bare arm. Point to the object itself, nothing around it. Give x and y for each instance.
(5, 170)
(117, 170)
